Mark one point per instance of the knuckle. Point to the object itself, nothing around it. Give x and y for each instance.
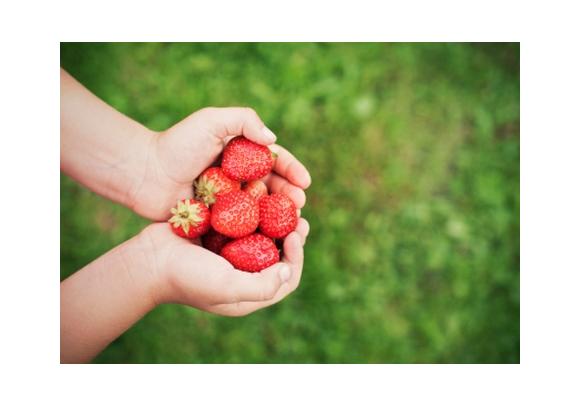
(286, 189)
(270, 291)
(251, 113)
(207, 111)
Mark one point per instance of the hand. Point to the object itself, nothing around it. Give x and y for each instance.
(177, 156)
(107, 296)
(188, 274)
(123, 161)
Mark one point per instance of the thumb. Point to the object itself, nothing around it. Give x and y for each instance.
(256, 287)
(233, 121)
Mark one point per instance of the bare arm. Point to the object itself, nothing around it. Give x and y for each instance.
(102, 300)
(147, 171)
(101, 148)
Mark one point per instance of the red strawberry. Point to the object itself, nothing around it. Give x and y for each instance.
(190, 218)
(235, 214)
(256, 189)
(213, 183)
(245, 160)
(251, 253)
(214, 241)
(278, 216)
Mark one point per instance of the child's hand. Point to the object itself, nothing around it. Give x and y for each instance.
(177, 156)
(188, 274)
(121, 160)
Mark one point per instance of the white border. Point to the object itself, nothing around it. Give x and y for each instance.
(549, 195)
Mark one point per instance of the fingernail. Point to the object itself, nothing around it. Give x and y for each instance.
(285, 273)
(308, 181)
(269, 134)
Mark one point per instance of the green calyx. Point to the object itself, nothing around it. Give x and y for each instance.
(205, 191)
(185, 215)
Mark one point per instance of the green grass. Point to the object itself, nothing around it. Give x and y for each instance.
(413, 254)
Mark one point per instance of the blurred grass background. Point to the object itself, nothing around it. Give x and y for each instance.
(413, 255)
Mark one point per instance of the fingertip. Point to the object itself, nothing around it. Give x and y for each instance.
(268, 135)
(290, 168)
(234, 121)
(293, 238)
(298, 197)
(308, 179)
(293, 247)
(258, 134)
(277, 184)
(303, 228)
(294, 256)
(256, 130)
(300, 176)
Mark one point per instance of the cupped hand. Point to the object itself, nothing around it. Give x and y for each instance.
(177, 156)
(187, 273)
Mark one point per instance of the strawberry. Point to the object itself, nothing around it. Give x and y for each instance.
(256, 189)
(214, 241)
(235, 214)
(244, 160)
(190, 218)
(278, 216)
(213, 183)
(251, 253)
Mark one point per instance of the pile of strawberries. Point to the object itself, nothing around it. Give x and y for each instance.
(232, 210)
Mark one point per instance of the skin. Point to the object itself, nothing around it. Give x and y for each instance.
(149, 171)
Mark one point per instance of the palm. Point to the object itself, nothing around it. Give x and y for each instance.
(193, 275)
(197, 277)
(177, 156)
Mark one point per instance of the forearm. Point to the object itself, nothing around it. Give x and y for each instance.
(101, 148)
(105, 298)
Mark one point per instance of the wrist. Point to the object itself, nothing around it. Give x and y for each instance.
(149, 256)
(142, 154)
(140, 264)
(105, 298)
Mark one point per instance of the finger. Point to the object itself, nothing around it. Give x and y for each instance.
(293, 245)
(278, 184)
(233, 121)
(242, 286)
(303, 228)
(289, 167)
(293, 251)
